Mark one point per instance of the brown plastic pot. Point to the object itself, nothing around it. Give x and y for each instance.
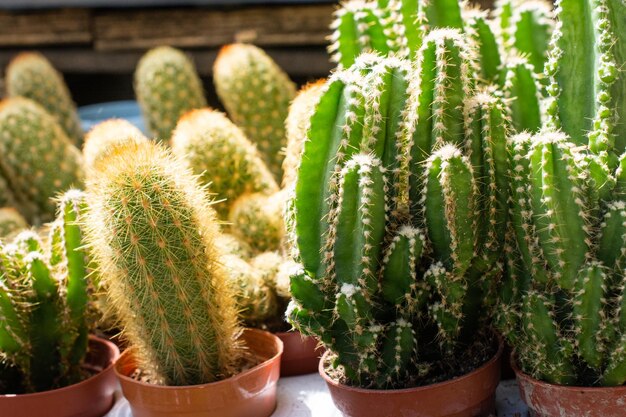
(548, 400)
(92, 397)
(471, 395)
(251, 393)
(302, 354)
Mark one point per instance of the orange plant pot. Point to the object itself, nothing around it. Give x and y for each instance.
(251, 393)
(92, 397)
(548, 400)
(470, 395)
(302, 354)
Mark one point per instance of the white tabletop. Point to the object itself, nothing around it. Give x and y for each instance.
(307, 396)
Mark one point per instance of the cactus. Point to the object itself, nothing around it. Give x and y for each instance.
(257, 220)
(45, 300)
(167, 86)
(567, 223)
(31, 75)
(232, 245)
(584, 70)
(38, 160)
(11, 221)
(296, 126)
(480, 30)
(256, 94)
(532, 25)
(104, 136)
(152, 232)
(226, 161)
(388, 263)
(522, 91)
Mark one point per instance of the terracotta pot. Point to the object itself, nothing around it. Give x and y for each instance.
(549, 400)
(471, 395)
(302, 354)
(92, 397)
(251, 393)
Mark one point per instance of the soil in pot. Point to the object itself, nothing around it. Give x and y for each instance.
(548, 400)
(92, 397)
(251, 393)
(469, 395)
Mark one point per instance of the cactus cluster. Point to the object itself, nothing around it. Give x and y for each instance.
(256, 94)
(399, 213)
(45, 304)
(31, 75)
(153, 235)
(566, 288)
(38, 160)
(167, 86)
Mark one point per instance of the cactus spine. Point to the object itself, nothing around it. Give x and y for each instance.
(31, 75)
(38, 159)
(167, 86)
(256, 94)
(106, 135)
(153, 235)
(226, 161)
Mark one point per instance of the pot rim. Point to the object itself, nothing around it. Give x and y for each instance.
(481, 368)
(232, 378)
(521, 374)
(111, 348)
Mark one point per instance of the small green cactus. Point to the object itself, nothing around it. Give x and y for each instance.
(226, 161)
(256, 94)
(232, 245)
(104, 136)
(45, 300)
(11, 221)
(480, 30)
(32, 76)
(153, 235)
(296, 126)
(257, 219)
(396, 251)
(38, 160)
(167, 86)
(565, 316)
(522, 90)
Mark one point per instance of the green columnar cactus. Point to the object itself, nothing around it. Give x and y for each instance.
(444, 14)
(152, 232)
(296, 126)
(580, 89)
(256, 94)
(479, 28)
(532, 25)
(31, 75)
(38, 160)
(104, 136)
(11, 221)
(167, 86)
(257, 220)
(522, 91)
(226, 161)
(389, 247)
(567, 220)
(45, 303)
(445, 82)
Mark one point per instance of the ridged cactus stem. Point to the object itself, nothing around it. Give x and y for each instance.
(436, 103)
(479, 28)
(612, 241)
(532, 25)
(522, 91)
(152, 232)
(558, 204)
(444, 14)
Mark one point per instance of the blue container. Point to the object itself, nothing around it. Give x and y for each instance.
(95, 113)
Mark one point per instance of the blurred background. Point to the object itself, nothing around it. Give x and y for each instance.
(96, 43)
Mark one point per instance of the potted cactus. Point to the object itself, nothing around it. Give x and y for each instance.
(562, 302)
(49, 364)
(153, 235)
(398, 216)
